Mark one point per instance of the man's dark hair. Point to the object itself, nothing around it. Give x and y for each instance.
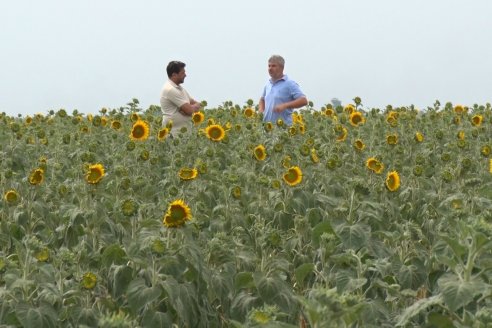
(174, 67)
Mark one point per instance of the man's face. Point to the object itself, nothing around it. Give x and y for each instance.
(180, 77)
(275, 70)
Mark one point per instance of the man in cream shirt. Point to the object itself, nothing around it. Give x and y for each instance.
(176, 104)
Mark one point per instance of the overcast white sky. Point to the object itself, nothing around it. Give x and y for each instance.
(101, 53)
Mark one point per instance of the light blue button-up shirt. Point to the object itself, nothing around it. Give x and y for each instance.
(279, 92)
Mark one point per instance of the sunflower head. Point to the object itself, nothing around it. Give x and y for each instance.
(314, 156)
(11, 196)
(249, 112)
(393, 181)
(42, 255)
(359, 145)
(140, 131)
(236, 192)
(375, 165)
(280, 122)
(356, 118)
(134, 117)
(162, 134)
(198, 117)
(392, 139)
(293, 176)
(459, 109)
(461, 135)
(419, 137)
(341, 133)
(349, 109)
(187, 173)
(129, 207)
(89, 280)
(485, 150)
(259, 153)
(177, 214)
(115, 124)
(329, 112)
(477, 120)
(215, 132)
(94, 173)
(268, 126)
(36, 177)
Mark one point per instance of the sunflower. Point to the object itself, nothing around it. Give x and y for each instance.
(236, 192)
(292, 130)
(28, 120)
(268, 126)
(187, 173)
(36, 177)
(314, 156)
(485, 150)
(249, 112)
(140, 131)
(302, 128)
(461, 135)
(90, 117)
(419, 137)
(89, 280)
(94, 173)
(477, 120)
(393, 181)
(134, 117)
(260, 152)
(375, 165)
(115, 125)
(129, 207)
(359, 145)
(349, 109)
(198, 117)
(392, 139)
(342, 133)
(215, 132)
(162, 134)
(11, 196)
(297, 118)
(329, 112)
(457, 120)
(280, 122)
(293, 176)
(177, 214)
(392, 118)
(459, 109)
(356, 118)
(42, 255)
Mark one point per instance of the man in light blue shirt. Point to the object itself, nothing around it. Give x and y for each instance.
(281, 95)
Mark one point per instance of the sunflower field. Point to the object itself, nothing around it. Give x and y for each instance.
(351, 217)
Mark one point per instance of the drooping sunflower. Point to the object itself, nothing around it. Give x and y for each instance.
(314, 156)
(393, 181)
(115, 125)
(94, 173)
(249, 112)
(260, 153)
(186, 173)
(419, 137)
(392, 139)
(140, 131)
(341, 133)
(198, 117)
(134, 117)
(177, 214)
(374, 165)
(89, 280)
(236, 192)
(477, 120)
(11, 196)
(36, 177)
(293, 176)
(461, 135)
(359, 145)
(215, 132)
(392, 117)
(162, 134)
(356, 118)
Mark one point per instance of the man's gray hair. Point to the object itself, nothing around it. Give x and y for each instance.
(277, 59)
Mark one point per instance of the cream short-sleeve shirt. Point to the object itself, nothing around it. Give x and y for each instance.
(173, 97)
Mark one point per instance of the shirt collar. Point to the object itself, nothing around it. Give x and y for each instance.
(174, 84)
(283, 78)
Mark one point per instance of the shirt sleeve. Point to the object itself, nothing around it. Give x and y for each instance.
(295, 91)
(178, 98)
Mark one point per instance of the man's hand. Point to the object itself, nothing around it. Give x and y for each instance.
(279, 108)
